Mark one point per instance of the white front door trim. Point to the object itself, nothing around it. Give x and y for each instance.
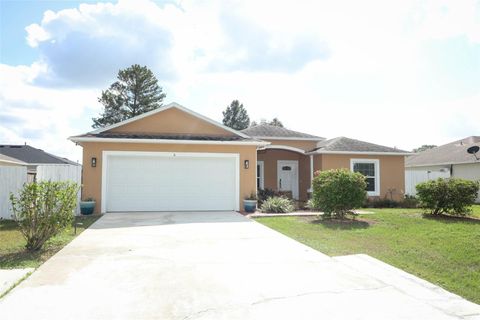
(293, 164)
(261, 164)
(106, 154)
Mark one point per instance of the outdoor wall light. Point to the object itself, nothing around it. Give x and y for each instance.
(246, 164)
(94, 162)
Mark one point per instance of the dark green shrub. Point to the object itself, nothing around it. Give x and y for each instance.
(264, 194)
(409, 202)
(382, 203)
(338, 191)
(277, 205)
(450, 196)
(44, 209)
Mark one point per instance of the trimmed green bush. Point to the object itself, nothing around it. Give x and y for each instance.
(277, 205)
(338, 191)
(44, 209)
(447, 196)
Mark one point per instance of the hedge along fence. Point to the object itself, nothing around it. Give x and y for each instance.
(447, 196)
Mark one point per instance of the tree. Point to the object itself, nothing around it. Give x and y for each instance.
(135, 92)
(276, 122)
(424, 147)
(235, 116)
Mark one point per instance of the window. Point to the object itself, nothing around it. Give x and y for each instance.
(260, 175)
(370, 169)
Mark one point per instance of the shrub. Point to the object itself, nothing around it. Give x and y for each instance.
(382, 203)
(409, 202)
(44, 209)
(451, 196)
(277, 205)
(264, 194)
(338, 191)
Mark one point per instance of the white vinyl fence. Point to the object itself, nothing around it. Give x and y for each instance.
(12, 179)
(60, 172)
(414, 177)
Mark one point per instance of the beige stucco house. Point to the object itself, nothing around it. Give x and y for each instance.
(173, 158)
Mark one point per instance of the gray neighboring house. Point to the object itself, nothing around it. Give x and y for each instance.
(448, 160)
(32, 158)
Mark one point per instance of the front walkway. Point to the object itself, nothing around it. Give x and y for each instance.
(210, 265)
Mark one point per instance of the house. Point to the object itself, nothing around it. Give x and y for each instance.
(20, 164)
(291, 158)
(445, 161)
(32, 157)
(173, 158)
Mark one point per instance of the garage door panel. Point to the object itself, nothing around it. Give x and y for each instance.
(163, 183)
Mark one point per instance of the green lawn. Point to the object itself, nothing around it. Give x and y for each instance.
(12, 244)
(445, 251)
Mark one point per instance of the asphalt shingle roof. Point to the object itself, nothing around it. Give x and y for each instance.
(450, 153)
(116, 135)
(344, 144)
(267, 130)
(32, 155)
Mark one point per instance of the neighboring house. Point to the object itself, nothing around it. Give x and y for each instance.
(291, 158)
(173, 158)
(20, 164)
(448, 160)
(33, 158)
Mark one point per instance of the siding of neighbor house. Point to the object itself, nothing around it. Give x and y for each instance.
(92, 176)
(470, 171)
(270, 158)
(391, 170)
(414, 176)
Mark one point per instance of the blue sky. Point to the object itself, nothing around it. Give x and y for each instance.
(401, 73)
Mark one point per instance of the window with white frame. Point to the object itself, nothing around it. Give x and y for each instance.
(370, 168)
(260, 183)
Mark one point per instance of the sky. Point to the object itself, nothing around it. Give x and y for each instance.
(397, 73)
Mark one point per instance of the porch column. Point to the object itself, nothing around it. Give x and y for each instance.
(311, 172)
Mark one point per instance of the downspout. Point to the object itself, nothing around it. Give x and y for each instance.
(311, 172)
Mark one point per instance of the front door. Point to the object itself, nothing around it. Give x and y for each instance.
(287, 176)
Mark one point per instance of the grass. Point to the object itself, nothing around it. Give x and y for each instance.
(444, 251)
(12, 244)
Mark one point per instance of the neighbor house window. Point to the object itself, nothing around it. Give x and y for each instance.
(260, 184)
(370, 168)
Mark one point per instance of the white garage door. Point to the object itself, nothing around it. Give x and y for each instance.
(141, 181)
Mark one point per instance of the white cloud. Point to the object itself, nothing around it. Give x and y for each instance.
(358, 69)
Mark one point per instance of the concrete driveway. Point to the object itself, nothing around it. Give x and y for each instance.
(213, 265)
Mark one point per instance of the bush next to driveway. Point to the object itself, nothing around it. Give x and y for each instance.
(277, 205)
(338, 191)
(451, 196)
(44, 209)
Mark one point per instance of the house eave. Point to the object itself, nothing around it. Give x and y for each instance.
(362, 153)
(288, 138)
(167, 141)
(440, 164)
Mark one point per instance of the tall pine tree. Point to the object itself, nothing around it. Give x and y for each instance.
(235, 116)
(135, 92)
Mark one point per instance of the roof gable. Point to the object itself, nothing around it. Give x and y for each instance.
(450, 153)
(172, 119)
(268, 131)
